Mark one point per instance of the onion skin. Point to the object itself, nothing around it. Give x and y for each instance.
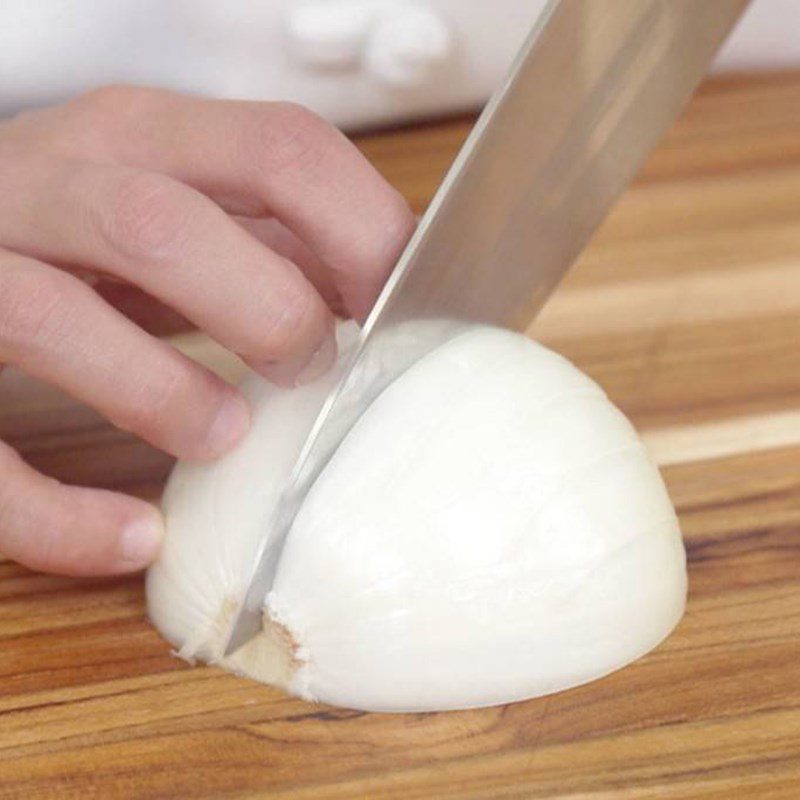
(491, 530)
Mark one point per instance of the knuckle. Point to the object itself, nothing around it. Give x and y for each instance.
(91, 124)
(284, 319)
(287, 137)
(298, 313)
(117, 98)
(296, 115)
(32, 306)
(147, 217)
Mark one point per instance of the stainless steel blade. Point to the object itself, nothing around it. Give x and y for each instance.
(596, 85)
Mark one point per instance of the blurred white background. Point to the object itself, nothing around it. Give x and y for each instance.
(358, 62)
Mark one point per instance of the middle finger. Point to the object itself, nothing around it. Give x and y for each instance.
(177, 245)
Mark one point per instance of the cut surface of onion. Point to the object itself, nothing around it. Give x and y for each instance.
(492, 529)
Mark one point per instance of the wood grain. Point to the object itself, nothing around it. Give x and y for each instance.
(686, 308)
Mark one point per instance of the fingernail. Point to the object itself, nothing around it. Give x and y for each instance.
(323, 359)
(299, 372)
(141, 540)
(229, 426)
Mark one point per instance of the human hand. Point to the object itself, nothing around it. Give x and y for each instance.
(250, 219)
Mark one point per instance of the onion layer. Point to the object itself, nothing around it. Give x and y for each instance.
(492, 529)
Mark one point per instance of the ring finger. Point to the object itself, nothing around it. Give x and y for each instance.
(177, 245)
(56, 328)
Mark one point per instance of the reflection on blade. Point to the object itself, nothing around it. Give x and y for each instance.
(593, 90)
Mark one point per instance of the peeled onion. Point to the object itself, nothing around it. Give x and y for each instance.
(492, 529)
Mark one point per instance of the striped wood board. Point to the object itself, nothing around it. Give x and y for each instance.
(686, 308)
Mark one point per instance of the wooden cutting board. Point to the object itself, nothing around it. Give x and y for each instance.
(686, 308)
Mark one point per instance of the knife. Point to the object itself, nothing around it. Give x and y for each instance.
(594, 88)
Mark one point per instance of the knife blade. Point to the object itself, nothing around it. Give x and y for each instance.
(594, 88)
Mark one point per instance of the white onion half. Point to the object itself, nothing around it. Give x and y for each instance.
(492, 529)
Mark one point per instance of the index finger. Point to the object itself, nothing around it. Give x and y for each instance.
(268, 158)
